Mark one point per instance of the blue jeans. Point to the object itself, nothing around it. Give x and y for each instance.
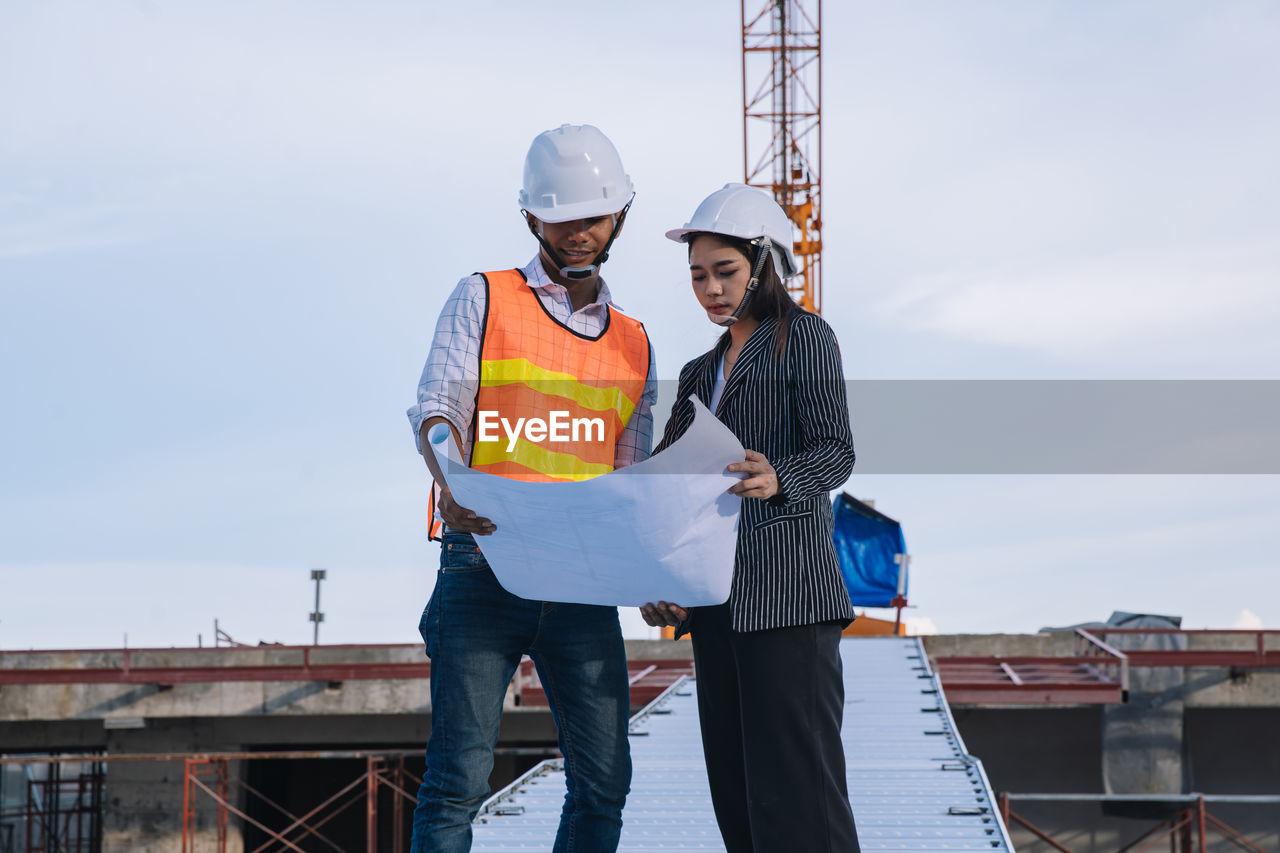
(475, 633)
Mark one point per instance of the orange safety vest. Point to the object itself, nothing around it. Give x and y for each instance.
(578, 391)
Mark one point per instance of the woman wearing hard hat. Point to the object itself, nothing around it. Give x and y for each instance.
(770, 692)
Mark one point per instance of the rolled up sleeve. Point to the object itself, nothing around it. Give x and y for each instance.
(451, 377)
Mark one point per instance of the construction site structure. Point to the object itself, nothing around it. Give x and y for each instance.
(233, 748)
(782, 124)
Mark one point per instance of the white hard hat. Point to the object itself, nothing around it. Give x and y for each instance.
(573, 172)
(748, 213)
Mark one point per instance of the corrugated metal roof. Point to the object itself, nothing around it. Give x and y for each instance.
(911, 783)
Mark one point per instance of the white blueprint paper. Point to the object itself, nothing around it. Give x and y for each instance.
(660, 530)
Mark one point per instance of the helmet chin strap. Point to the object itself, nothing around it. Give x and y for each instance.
(762, 255)
(590, 270)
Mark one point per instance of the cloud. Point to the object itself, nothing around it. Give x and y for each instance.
(1093, 307)
(920, 626)
(1247, 620)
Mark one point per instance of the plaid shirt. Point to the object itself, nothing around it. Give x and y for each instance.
(451, 379)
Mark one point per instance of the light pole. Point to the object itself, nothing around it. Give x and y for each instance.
(317, 617)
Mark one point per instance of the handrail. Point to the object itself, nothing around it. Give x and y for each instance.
(1261, 656)
(1094, 641)
(1120, 658)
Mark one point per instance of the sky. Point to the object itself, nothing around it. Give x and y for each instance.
(226, 231)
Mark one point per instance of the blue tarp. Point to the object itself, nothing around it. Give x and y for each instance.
(866, 542)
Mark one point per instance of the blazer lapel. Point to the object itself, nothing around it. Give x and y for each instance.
(758, 346)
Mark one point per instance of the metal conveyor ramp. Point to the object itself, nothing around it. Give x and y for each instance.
(911, 783)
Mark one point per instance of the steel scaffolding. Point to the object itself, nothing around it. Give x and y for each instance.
(60, 810)
(1185, 830)
(383, 772)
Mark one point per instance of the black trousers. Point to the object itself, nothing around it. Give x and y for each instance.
(770, 705)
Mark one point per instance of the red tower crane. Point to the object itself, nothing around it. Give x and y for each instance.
(782, 123)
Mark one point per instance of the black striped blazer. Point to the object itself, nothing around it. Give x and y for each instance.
(792, 409)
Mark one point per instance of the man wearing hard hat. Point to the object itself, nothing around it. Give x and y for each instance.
(541, 341)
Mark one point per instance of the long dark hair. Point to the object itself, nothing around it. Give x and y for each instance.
(771, 299)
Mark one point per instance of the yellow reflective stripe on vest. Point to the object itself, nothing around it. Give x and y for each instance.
(530, 455)
(520, 370)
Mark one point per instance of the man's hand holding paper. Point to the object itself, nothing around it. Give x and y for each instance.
(664, 529)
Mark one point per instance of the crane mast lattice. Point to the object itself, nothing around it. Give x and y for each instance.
(782, 124)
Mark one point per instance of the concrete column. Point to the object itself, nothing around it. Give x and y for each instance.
(1142, 740)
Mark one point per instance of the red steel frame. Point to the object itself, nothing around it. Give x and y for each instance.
(1187, 831)
(383, 769)
(1257, 656)
(1098, 673)
(648, 678)
(130, 672)
(782, 124)
(55, 827)
(208, 775)
(194, 768)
